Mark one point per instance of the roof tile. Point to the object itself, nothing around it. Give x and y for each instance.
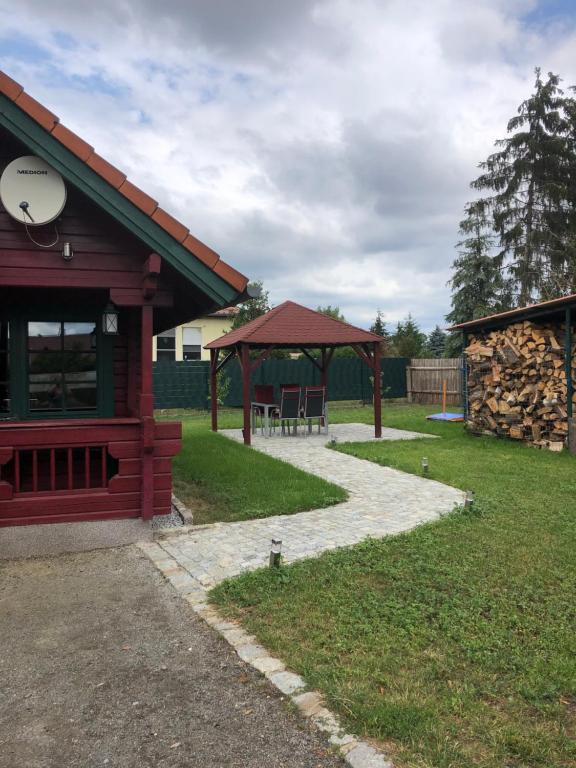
(109, 173)
(71, 141)
(9, 87)
(140, 199)
(174, 228)
(36, 111)
(231, 275)
(201, 251)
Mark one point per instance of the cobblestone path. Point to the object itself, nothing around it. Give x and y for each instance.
(382, 501)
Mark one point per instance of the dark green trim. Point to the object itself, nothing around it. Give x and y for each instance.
(113, 202)
(568, 360)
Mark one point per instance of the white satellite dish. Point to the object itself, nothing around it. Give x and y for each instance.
(31, 191)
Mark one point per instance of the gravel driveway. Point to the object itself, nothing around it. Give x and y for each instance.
(103, 664)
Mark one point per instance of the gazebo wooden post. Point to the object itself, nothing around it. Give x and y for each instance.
(214, 388)
(377, 392)
(245, 364)
(323, 371)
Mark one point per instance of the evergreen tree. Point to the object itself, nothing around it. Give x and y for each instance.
(253, 308)
(478, 285)
(379, 327)
(333, 312)
(528, 179)
(408, 339)
(436, 343)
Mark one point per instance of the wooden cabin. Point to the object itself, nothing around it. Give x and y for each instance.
(80, 300)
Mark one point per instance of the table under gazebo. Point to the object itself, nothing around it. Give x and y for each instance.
(299, 329)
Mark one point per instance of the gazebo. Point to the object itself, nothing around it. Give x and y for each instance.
(292, 326)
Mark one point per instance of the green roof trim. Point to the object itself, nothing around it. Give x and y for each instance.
(113, 202)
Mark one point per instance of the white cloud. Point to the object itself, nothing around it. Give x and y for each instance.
(324, 147)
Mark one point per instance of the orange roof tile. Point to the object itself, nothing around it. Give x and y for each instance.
(50, 122)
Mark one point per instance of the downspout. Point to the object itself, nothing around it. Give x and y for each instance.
(568, 366)
(464, 376)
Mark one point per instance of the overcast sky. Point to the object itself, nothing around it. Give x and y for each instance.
(322, 146)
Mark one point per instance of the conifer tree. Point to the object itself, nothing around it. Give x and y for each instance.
(436, 343)
(408, 339)
(528, 179)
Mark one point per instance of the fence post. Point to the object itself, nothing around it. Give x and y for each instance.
(409, 382)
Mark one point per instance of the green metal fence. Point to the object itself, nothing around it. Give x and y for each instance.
(186, 384)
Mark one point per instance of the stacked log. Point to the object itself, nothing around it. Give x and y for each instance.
(517, 384)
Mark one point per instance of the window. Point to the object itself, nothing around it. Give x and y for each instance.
(62, 373)
(192, 343)
(4, 367)
(166, 346)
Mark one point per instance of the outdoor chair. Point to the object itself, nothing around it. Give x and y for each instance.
(263, 393)
(290, 408)
(315, 407)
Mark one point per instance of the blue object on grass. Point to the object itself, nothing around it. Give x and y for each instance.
(446, 417)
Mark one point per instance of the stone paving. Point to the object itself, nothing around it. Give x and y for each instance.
(382, 501)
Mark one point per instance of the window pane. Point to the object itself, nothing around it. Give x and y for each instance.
(4, 368)
(44, 336)
(80, 336)
(80, 380)
(165, 355)
(165, 343)
(192, 352)
(46, 392)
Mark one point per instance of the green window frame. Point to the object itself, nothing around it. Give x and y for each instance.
(20, 374)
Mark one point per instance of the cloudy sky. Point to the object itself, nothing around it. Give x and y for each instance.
(322, 146)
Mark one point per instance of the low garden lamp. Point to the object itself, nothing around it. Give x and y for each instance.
(275, 553)
(425, 465)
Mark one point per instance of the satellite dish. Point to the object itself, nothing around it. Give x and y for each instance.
(32, 192)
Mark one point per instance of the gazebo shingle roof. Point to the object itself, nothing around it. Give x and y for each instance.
(291, 324)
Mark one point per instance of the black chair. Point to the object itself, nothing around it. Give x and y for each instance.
(290, 407)
(315, 407)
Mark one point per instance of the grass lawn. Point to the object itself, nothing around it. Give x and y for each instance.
(453, 645)
(221, 480)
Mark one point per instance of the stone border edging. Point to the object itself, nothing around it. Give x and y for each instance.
(357, 753)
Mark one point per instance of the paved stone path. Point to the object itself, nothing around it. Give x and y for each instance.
(382, 501)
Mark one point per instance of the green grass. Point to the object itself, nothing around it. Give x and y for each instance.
(453, 645)
(221, 480)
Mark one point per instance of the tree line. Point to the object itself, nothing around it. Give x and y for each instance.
(518, 236)
(406, 339)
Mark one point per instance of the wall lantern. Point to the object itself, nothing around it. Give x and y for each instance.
(110, 320)
(67, 252)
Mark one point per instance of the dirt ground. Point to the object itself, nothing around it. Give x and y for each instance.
(103, 664)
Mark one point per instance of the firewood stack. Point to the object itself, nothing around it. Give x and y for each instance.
(517, 384)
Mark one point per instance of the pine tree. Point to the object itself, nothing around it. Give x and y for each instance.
(528, 179)
(408, 339)
(479, 287)
(436, 343)
(333, 312)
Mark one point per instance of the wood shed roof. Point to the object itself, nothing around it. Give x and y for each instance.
(292, 325)
(543, 308)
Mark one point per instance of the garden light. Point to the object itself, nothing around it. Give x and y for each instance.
(469, 500)
(275, 553)
(425, 465)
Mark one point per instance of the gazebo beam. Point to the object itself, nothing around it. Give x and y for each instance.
(214, 387)
(377, 392)
(246, 370)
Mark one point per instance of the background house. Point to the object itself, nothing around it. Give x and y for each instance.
(187, 341)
